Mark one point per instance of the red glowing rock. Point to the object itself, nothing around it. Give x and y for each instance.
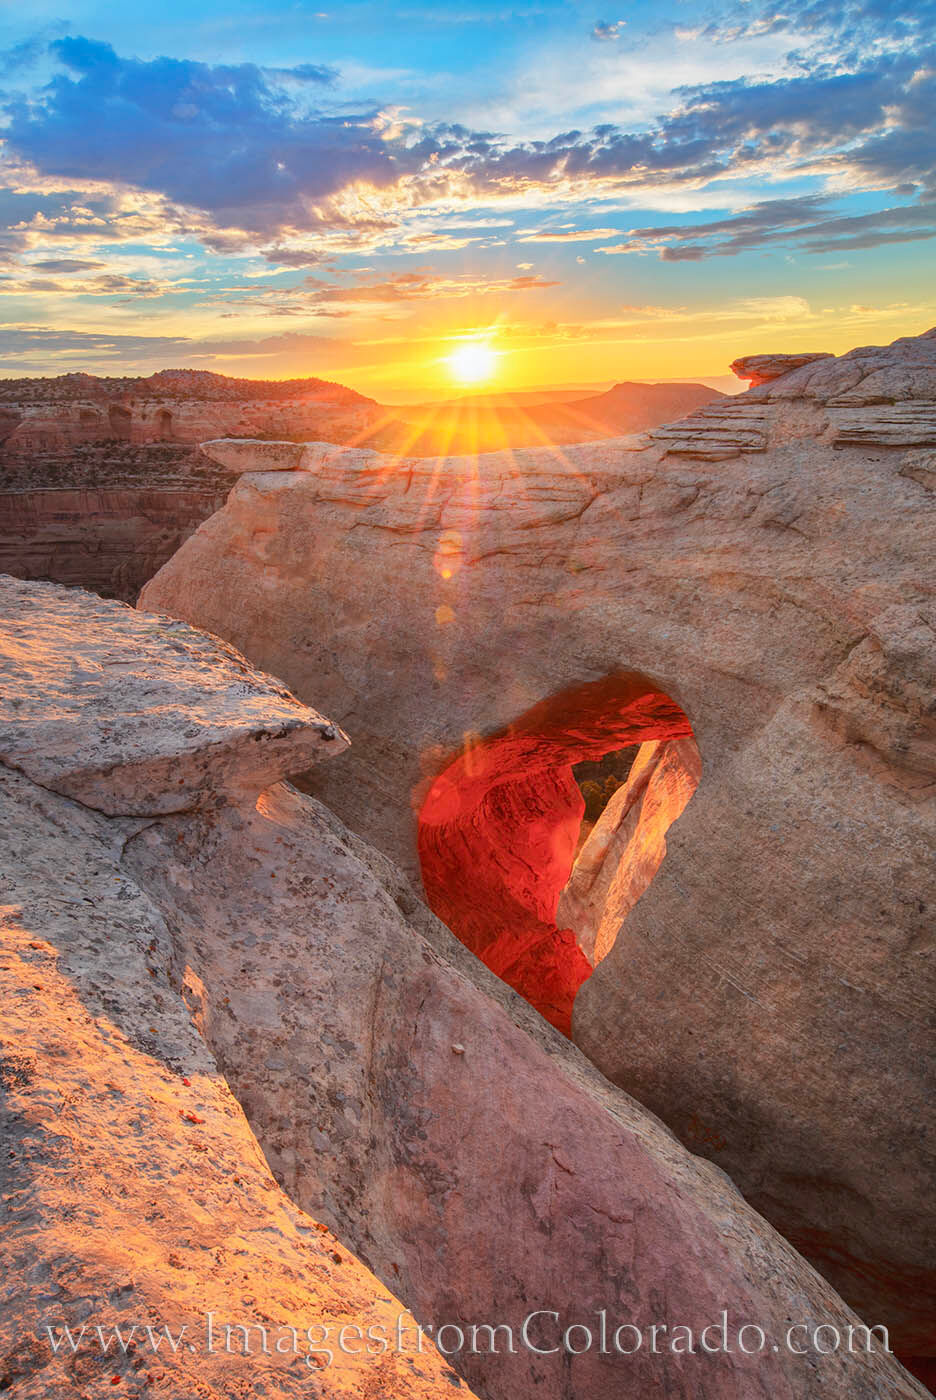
(498, 830)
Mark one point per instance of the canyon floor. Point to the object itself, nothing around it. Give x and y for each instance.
(321, 1011)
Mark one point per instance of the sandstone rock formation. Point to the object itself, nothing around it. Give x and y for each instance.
(627, 844)
(174, 406)
(160, 954)
(761, 369)
(101, 480)
(110, 541)
(768, 563)
(96, 716)
(509, 812)
(103, 515)
(134, 1192)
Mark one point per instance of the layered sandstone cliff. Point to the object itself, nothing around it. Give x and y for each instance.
(765, 568)
(205, 972)
(101, 480)
(103, 515)
(174, 406)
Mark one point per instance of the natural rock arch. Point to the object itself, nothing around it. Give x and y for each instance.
(498, 830)
(767, 996)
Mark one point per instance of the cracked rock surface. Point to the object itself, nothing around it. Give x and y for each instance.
(134, 1192)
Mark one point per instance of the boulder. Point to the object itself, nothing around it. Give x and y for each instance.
(766, 565)
(185, 989)
(93, 710)
(254, 454)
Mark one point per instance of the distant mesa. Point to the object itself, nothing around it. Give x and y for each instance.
(175, 405)
(202, 384)
(192, 405)
(496, 422)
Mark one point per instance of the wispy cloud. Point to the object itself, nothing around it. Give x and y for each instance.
(366, 294)
(605, 33)
(807, 223)
(207, 193)
(579, 235)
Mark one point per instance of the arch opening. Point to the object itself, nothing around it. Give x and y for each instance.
(505, 861)
(163, 425)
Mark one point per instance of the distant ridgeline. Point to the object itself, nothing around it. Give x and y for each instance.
(101, 479)
(185, 405)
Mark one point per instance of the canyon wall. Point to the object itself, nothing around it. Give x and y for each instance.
(101, 480)
(108, 539)
(184, 406)
(103, 515)
(203, 968)
(768, 564)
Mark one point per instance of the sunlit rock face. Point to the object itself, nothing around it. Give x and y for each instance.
(171, 406)
(626, 846)
(768, 562)
(761, 369)
(499, 827)
(135, 1191)
(185, 985)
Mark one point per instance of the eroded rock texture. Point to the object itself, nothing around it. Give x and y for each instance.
(768, 562)
(158, 961)
(95, 714)
(110, 540)
(172, 406)
(101, 479)
(134, 1191)
(102, 515)
(761, 369)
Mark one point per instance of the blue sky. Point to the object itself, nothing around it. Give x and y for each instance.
(353, 190)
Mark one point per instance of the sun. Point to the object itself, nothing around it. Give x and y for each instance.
(473, 362)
